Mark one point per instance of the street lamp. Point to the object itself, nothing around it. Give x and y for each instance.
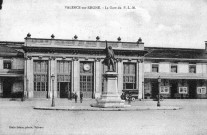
(53, 99)
(158, 98)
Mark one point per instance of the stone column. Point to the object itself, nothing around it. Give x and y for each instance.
(1, 63)
(29, 79)
(141, 79)
(98, 78)
(120, 76)
(49, 94)
(53, 71)
(1, 90)
(137, 76)
(25, 79)
(76, 76)
(1, 67)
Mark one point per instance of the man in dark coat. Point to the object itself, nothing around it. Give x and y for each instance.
(81, 97)
(76, 97)
(109, 59)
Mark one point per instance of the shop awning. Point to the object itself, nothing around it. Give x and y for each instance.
(11, 75)
(175, 76)
(11, 72)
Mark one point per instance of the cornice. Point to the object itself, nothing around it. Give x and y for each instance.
(76, 51)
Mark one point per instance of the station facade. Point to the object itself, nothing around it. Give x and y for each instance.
(76, 65)
(38, 67)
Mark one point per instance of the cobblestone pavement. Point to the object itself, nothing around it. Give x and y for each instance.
(20, 118)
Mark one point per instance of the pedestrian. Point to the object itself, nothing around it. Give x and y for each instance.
(129, 99)
(76, 97)
(22, 97)
(81, 97)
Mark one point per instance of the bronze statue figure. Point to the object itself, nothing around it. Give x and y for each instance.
(109, 59)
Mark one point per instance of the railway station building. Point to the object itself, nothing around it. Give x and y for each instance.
(38, 67)
(76, 65)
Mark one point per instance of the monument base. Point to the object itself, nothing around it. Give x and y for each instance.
(110, 97)
(109, 100)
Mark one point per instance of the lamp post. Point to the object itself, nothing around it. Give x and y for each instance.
(143, 90)
(158, 100)
(53, 99)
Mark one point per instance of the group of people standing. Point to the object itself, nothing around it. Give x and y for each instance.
(76, 97)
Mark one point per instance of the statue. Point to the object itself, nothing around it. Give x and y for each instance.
(109, 59)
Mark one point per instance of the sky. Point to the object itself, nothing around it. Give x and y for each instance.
(160, 23)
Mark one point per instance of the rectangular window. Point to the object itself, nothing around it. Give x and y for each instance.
(7, 64)
(86, 77)
(164, 90)
(192, 68)
(174, 68)
(129, 76)
(40, 75)
(183, 90)
(64, 74)
(201, 90)
(155, 67)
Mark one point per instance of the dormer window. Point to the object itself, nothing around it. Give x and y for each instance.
(7, 64)
(192, 68)
(155, 67)
(174, 68)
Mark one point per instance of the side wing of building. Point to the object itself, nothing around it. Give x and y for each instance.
(183, 73)
(11, 69)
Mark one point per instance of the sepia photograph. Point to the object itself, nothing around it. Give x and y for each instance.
(103, 67)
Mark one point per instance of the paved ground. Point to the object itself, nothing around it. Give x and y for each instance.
(18, 117)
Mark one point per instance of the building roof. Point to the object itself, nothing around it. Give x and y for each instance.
(5, 50)
(84, 47)
(82, 44)
(176, 53)
(11, 43)
(152, 75)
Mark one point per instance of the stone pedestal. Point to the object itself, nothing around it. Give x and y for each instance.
(110, 97)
